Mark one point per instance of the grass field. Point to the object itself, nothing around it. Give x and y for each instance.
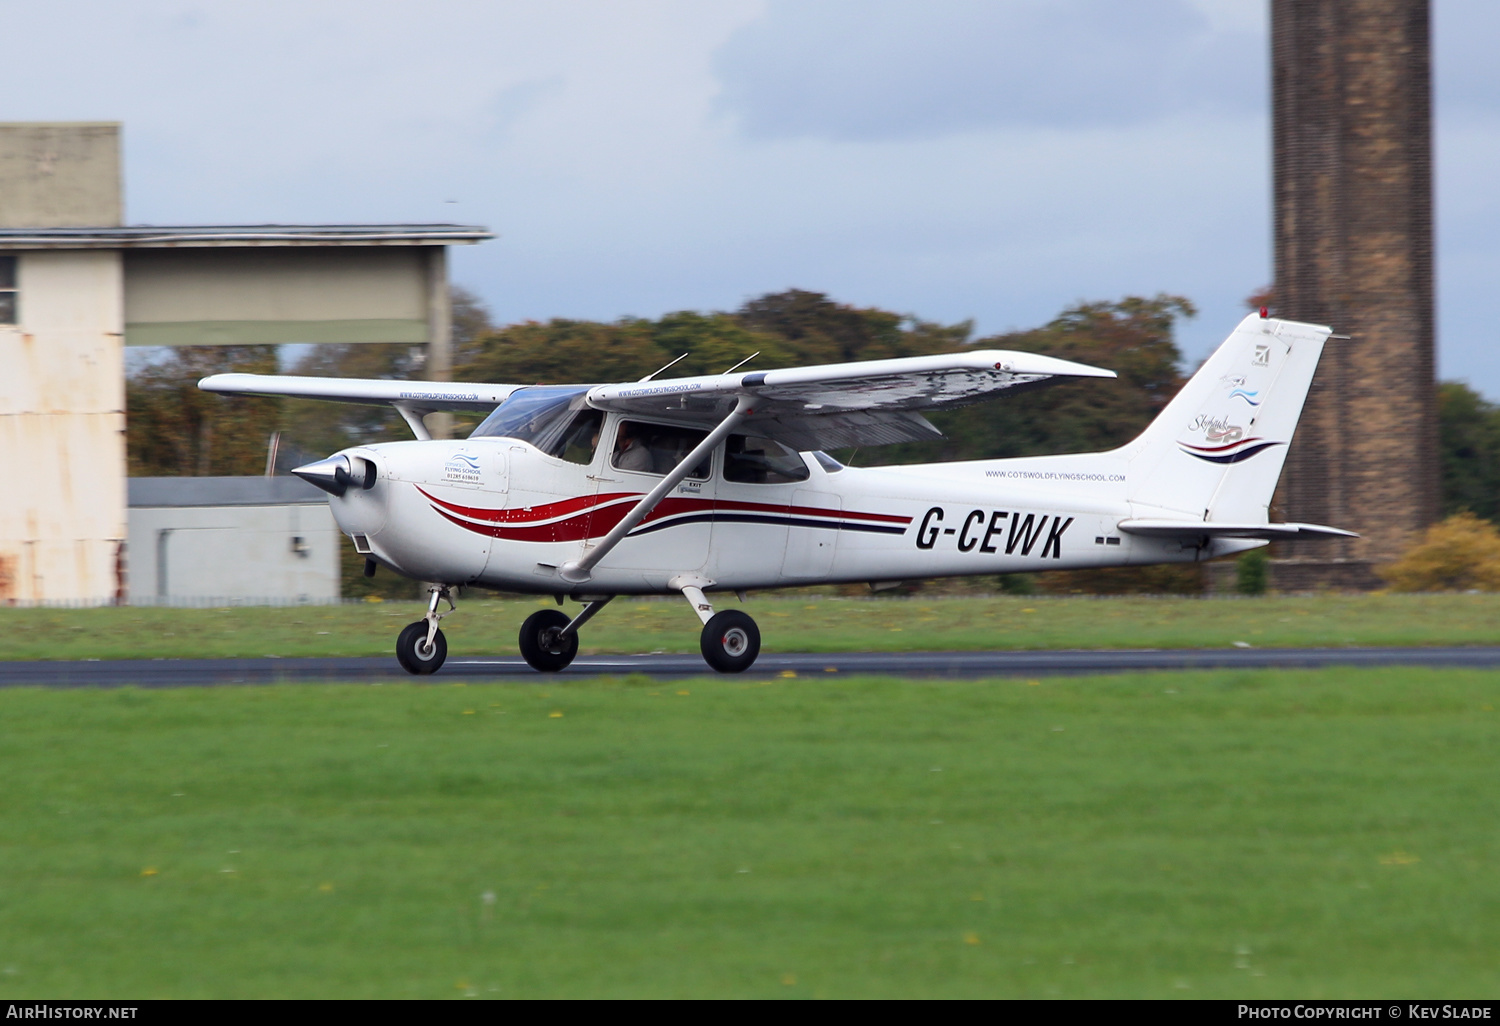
(1247, 834)
(788, 624)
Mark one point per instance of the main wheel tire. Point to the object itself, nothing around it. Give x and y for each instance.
(541, 645)
(730, 641)
(413, 653)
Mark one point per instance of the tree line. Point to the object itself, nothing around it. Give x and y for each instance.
(176, 430)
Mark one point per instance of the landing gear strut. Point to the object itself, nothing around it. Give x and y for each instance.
(730, 640)
(421, 647)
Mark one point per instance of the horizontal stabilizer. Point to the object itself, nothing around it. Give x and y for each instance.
(1209, 529)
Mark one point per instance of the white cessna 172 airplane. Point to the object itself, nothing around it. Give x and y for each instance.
(719, 483)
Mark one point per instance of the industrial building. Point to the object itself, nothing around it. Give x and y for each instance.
(77, 285)
(1352, 135)
(231, 540)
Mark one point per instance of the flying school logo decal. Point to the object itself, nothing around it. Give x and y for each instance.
(462, 468)
(592, 516)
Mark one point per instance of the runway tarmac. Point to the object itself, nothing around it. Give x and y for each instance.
(952, 665)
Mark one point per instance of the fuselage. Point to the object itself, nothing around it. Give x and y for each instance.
(500, 513)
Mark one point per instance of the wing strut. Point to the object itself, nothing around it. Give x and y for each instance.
(414, 421)
(577, 571)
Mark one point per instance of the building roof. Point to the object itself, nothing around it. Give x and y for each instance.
(185, 236)
(223, 491)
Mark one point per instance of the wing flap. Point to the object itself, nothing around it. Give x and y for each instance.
(848, 430)
(1202, 529)
(871, 402)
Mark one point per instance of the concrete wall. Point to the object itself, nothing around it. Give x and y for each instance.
(62, 431)
(245, 296)
(265, 542)
(63, 175)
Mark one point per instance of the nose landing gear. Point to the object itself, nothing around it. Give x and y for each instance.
(421, 647)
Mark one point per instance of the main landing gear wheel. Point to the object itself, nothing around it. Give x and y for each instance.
(730, 641)
(413, 652)
(542, 644)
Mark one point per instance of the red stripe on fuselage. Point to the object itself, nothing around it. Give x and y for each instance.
(529, 514)
(595, 515)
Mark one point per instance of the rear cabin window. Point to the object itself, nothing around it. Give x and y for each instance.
(656, 449)
(8, 305)
(753, 460)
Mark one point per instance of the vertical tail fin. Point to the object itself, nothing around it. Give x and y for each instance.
(1217, 449)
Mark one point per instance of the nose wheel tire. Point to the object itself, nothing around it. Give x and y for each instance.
(730, 641)
(413, 652)
(542, 645)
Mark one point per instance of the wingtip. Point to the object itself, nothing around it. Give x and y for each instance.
(218, 382)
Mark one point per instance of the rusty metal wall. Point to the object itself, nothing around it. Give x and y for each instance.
(62, 432)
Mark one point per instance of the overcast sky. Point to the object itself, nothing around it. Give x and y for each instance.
(953, 159)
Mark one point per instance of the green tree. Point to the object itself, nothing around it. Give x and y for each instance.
(1133, 337)
(715, 342)
(174, 429)
(786, 328)
(1252, 572)
(563, 351)
(1469, 442)
(823, 331)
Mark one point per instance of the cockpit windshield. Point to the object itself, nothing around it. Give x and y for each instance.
(545, 416)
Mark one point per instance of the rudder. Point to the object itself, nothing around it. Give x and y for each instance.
(1216, 451)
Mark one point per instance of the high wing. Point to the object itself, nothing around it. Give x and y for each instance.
(872, 402)
(429, 396)
(831, 406)
(412, 399)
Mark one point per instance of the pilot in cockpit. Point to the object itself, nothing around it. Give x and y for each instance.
(631, 452)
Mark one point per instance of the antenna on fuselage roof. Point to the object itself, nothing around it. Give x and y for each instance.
(658, 370)
(743, 362)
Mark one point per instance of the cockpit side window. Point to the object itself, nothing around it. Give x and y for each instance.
(581, 439)
(656, 448)
(753, 460)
